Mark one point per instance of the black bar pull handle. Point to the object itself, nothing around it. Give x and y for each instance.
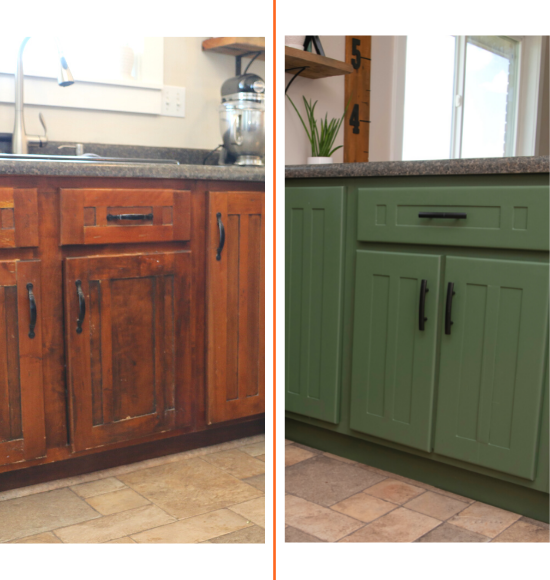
(34, 312)
(129, 216)
(222, 237)
(445, 215)
(449, 307)
(81, 307)
(422, 308)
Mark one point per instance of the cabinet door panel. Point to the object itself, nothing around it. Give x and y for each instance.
(314, 263)
(393, 360)
(22, 422)
(236, 306)
(492, 364)
(130, 368)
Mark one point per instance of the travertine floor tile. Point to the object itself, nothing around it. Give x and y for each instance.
(326, 481)
(436, 505)
(310, 449)
(395, 491)
(115, 526)
(340, 458)
(261, 457)
(193, 530)
(533, 522)
(400, 525)
(288, 442)
(295, 454)
(258, 481)
(98, 487)
(125, 540)
(45, 538)
(34, 514)
(523, 532)
(484, 519)
(318, 521)
(255, 449)
(190, 487)
(294, 535)
(253, 510)
(236, 463)
(251, 535)
(364, 507)
(117, 501)
(448, 533)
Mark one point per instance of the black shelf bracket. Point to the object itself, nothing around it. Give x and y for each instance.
(300, 70)
(238, 60)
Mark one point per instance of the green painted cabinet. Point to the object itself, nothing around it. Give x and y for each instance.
(394, 351)
(313, 310)
(492, 364)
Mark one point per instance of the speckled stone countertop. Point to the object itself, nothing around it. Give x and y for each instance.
(500, 165)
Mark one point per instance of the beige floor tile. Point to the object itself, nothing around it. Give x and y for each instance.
(258, 481)
(98, 487)
(436, 505)
(196, 529)
(251, 535)
(255, 449)
(190, 487)
(115, 526)
(400, 525)
(340, 458)
(45, 538)
(318, 521)
(261, 457)
(446, 533)
(117, 501)
(395, 491)
(364, 507)
(484, 519)
(294, 535)
(236, 463)
(295, 454)
(44, 512)
(523, 532)
(535, 522)
(125, 540)
(253, 510)
(288, 442)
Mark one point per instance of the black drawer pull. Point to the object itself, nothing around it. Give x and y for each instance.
(449, 307)
(81, 307)
(129, 216)
(222, 237)
(422, 308)
(442, 215)
(34, 313)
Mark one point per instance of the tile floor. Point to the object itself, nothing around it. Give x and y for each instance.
(333, 499)
(209, 495)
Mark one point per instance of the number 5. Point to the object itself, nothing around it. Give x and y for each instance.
(356, 62)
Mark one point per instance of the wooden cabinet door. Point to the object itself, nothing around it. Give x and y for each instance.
(236, 305)
(22, 423)
(314, 270)
(393, 371)
(129, 369)
(492, 364)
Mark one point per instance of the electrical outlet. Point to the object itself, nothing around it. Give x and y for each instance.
(173, 102)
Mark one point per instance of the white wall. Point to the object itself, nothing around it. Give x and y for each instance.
(185, 65)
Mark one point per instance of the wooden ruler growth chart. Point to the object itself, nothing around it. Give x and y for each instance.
(357, 94)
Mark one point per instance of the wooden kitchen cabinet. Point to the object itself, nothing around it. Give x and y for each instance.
(235, 305)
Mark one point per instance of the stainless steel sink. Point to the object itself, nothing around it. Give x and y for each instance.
(89, 158)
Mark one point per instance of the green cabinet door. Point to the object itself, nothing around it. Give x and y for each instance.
(393, 360)
(492, 364)
(314, 261)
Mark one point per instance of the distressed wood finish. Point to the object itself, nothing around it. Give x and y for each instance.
(236, 310)
(18, 218)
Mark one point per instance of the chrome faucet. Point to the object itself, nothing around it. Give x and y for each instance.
(20, 139)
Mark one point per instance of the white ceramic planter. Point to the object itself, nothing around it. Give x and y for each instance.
(319, 160)
(295, 42)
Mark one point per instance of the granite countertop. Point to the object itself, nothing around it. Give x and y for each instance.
(499, 165)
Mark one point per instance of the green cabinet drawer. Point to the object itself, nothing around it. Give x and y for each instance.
(496, 217)
(313, 310)
(393, 368)
(492, 364)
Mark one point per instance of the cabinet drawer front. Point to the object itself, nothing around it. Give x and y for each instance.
(18, 218)
(314, 269)
(393, 370)
(492, 364)
(496, 217)
(93, 216)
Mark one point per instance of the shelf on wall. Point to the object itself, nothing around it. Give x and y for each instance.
(236, 45)
(318, 67)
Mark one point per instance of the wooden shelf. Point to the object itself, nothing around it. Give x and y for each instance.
(319, 67)
(236, 45)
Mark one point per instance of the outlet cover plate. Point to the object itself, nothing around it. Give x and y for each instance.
(173, 101)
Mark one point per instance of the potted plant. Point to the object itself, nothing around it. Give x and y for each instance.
(321, 138)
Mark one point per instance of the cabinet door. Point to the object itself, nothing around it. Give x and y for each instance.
(314, 271)
(393, 370)
(236, 305)
(22, 423)
(492, 364)
(130, 365)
